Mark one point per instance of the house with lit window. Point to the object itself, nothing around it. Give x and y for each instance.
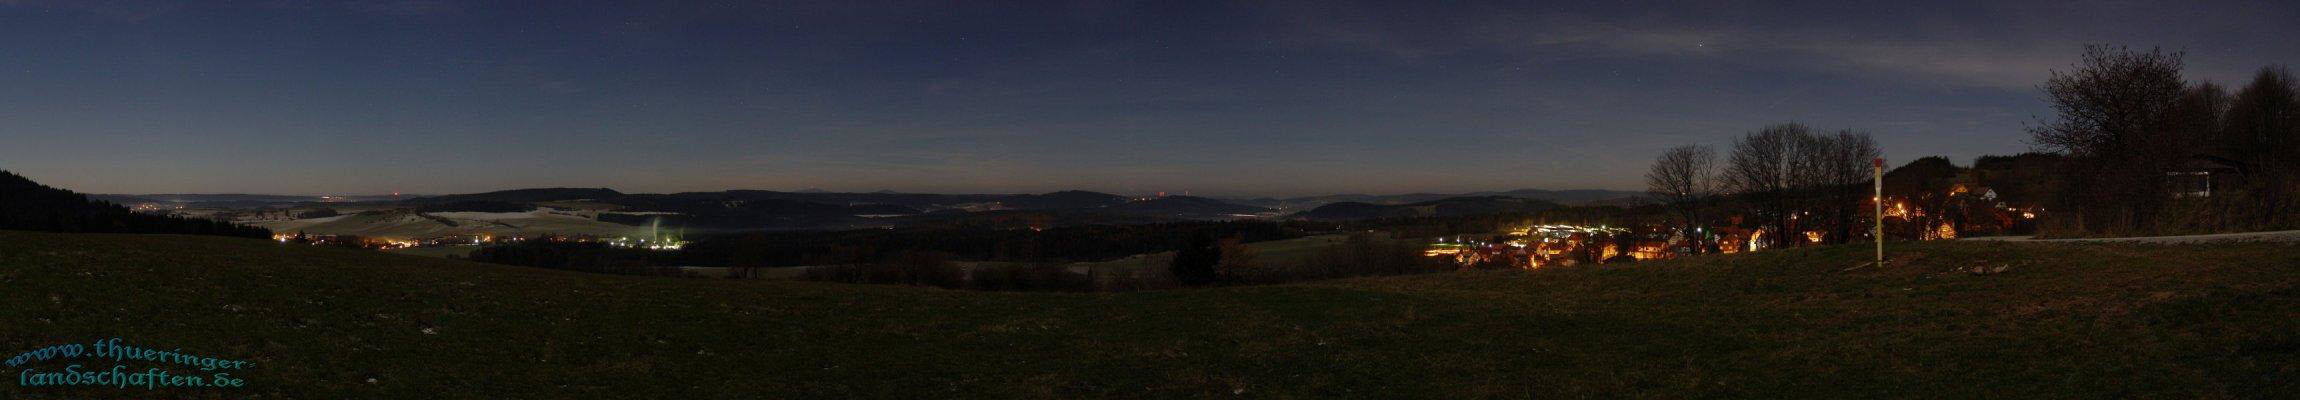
(2200, 174)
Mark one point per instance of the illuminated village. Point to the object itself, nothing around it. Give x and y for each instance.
(1926, 200)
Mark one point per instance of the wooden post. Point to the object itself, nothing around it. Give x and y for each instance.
(1879, 163)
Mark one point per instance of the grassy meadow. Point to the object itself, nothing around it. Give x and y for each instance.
(2059, 320)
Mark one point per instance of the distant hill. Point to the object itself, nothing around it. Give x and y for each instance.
(1572, 196)
(1069, 199)
(1567, 197)
(1350, 210)
(1187, 207)
(406, 223)
(524, 195)
(740, 210)
(229, 200)
(1074, 199)
(730, 210)
(773, 210)
(1446, 207)
(492, 206)
(201, 198)
(1923, 175)
(28, 205)
(2023, 179)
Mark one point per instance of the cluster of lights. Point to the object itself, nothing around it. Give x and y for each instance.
(1535, 245)
(660, 244)
(1564, 230)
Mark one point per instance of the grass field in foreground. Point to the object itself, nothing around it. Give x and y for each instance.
(437, 251)
(2065, 320)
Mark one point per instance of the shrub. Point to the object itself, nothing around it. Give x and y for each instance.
(1194, 262)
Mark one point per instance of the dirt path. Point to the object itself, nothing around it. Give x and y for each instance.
(2274, 236)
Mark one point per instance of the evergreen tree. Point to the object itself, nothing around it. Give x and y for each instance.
(1194, 263)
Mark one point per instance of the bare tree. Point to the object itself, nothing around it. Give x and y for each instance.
(1808, 162)
(1849, 163)
(1841, 167)
(1759, 170)
(1684, 177)
(1799, 181)
(2263, 120)
(2114, 97)
(1760, 159)
(2201, 113)
(2262, 128)
(2117, 120)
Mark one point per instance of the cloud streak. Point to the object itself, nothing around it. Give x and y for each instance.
(2011, 46)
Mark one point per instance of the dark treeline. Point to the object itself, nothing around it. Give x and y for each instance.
(2149, 152)
(28, 205)
(322, 212)
(629, 219)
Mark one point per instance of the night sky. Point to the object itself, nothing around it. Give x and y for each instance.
(1223, 98)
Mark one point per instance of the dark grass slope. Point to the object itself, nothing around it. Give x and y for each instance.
(2063, 321)
(28, 205)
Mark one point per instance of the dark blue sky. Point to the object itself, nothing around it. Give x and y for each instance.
(1233, 98)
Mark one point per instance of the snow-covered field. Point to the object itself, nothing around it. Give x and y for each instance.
(492, 216)
(324, 219)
